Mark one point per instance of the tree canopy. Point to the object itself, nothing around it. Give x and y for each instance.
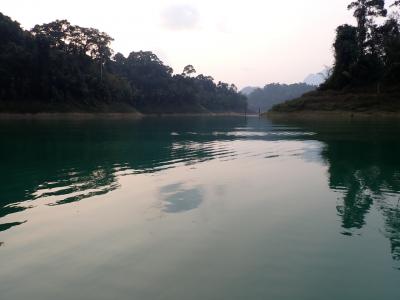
(59, 66)
(369, 54)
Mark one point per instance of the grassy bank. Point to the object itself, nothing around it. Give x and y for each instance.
(341, 104)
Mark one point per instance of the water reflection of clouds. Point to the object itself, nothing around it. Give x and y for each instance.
(365, 173)
(178, 198)
(88, 159)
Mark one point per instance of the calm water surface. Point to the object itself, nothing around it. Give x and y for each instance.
(199, 208)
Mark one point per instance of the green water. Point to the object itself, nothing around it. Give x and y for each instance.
(199, 208)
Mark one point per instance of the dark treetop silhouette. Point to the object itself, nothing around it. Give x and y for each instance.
(63, 67)
(367, 63)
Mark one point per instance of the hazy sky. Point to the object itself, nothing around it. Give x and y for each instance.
(250, 42)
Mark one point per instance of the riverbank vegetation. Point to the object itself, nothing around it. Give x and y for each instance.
(366, 73)
(60, 67)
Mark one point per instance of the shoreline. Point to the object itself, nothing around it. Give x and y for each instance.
(341, 104)
(111, 115)
(67, 115)
(331, 115)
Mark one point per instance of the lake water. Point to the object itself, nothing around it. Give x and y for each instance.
(199, 208)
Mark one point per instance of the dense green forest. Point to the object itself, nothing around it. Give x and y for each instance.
(63, 67)
(275, 93)
(368, 55)
(365, 77)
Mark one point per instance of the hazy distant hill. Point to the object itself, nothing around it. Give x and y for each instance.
(318, 78)
(248, 90)
(275, 93)
(314, 79)
(365, 78)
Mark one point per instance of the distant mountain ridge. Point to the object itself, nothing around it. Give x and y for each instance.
(318, 78)
(314, 79)
(265, 98)
(248, 90)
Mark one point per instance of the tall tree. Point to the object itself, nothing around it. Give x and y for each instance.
(75, 39)
(365, 11)
(346, 55)
(188, 70)
(389, 34)
(54, 67)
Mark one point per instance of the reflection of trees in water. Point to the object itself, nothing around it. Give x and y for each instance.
(64, 162)
(64, 187)
(367, 172)
(364, 165)
(77, 186)
(392, 215)
(6, 226)
(68, 162)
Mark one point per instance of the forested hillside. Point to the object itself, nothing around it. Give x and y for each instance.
(63, 67)
(366, 73)
(368, 54)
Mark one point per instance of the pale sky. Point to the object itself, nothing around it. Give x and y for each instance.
(250, 42)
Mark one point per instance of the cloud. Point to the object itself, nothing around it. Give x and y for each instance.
(224, 27)
(180, 17)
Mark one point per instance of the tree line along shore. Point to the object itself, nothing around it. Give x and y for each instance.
(60, 67)
(63, 68)
(365, 78)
